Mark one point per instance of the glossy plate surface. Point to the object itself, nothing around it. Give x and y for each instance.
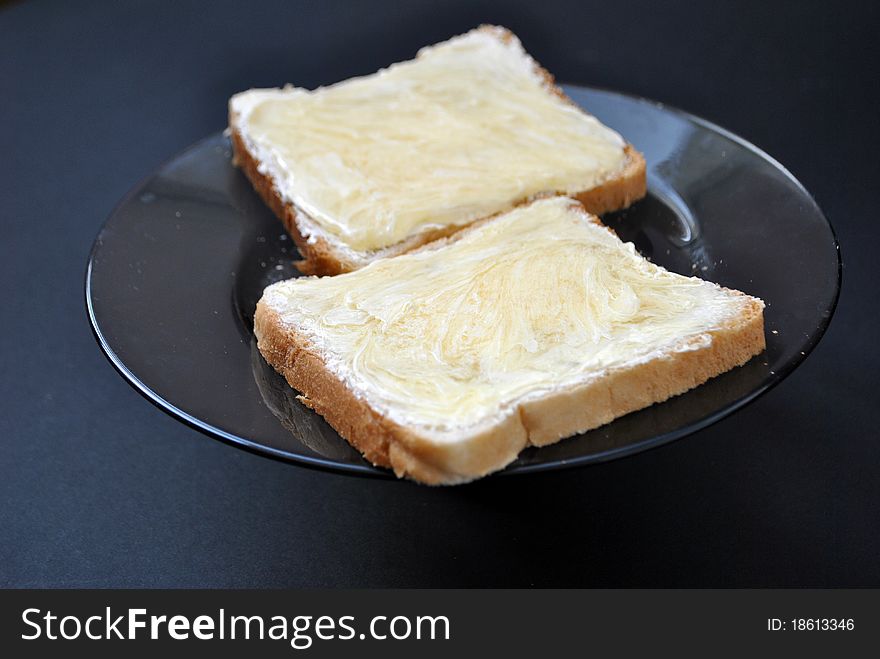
(177, 269)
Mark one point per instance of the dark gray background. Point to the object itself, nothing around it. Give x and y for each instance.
(99, 488)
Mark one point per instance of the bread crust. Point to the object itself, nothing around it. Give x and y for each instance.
(322, 257)
(539, 422)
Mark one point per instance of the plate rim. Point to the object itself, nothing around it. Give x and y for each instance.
(370, 471)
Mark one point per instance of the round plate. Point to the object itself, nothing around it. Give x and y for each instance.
(176, 272)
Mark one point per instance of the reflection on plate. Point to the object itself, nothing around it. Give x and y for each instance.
(176, 272)
(308, 428)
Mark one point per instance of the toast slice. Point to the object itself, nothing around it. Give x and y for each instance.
(377, 166)
(539, 323)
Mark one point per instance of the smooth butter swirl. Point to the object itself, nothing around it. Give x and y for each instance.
(531, 301)
(465, 130)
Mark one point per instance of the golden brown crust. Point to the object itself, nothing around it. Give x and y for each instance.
(620, 192)
(422, 458)
(322, 257)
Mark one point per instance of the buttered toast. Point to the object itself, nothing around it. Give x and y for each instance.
(379, 165)
(536, 324)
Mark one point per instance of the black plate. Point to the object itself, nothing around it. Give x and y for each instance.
(176, 272)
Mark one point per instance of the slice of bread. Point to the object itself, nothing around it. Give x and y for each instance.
(377, 166)
(539, 323)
